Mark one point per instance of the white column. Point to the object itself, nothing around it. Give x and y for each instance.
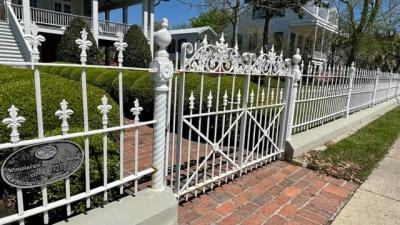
(95, 20)
(162, 69)
(151, 21)
(145, 14)
(125, 14)
(26, 10)
(315, 40)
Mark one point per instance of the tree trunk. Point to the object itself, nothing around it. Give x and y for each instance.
(268, 17)
(236, 22)
(354, 47)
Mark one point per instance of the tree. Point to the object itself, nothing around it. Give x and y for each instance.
(68, 50)
(357, 26)
(219, 13)
(138, 53)
(273, 8)
(214, 18)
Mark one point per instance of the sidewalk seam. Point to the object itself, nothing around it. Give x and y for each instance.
(379, 194)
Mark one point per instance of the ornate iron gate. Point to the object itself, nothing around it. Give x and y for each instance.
(230, 111)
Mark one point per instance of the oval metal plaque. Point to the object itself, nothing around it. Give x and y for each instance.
(42, 164)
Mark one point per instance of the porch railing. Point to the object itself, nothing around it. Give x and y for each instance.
(59, 19)
(320, 55)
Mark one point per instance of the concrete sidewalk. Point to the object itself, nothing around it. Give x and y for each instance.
(377, 201)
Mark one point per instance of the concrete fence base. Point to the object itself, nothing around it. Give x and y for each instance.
(148, 207)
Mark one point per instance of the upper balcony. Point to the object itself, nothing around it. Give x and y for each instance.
(55, 22)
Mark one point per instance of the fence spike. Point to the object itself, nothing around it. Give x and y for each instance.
(136, 110)
(64, 114)
(191, 101)
(13, 122)
(225, 99)
(104, 109)
(210, 98)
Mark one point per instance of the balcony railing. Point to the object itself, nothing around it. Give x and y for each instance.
(320, 55)
(59, 19)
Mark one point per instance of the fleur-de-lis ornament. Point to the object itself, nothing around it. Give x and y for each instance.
(238, 97)
(64, 114)
(209, 102)
(262, 96)
(225, 99)
(34, 39)
(84, 44)
(120, 45)
(191, 101)
(104, 109)
(13, 122)
(252, 97)
(136, 110)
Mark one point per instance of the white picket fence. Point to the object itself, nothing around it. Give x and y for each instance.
(220, 115)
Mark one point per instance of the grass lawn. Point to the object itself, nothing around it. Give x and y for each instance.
(355, 157)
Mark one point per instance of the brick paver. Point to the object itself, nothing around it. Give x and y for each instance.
(277, 193)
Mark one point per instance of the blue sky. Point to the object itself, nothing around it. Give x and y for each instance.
(176, 12)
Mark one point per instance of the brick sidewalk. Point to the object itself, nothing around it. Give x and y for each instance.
(278, 193)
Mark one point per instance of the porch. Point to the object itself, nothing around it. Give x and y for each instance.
(52, 17)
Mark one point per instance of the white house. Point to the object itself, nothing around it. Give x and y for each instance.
(312, 34)
(192, 35)
(52, 16)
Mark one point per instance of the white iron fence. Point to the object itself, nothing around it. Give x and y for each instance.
(330, 92)
(221, 115)
(15, 122)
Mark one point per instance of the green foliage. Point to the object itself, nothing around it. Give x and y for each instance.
(138, 53)
(362, 151)
(216, 19)
(54, 90)
(68, 50)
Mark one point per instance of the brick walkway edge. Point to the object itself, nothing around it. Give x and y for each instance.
(278, 193)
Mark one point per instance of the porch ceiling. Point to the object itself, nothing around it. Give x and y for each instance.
(114, 4)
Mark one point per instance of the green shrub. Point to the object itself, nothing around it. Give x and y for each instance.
(143, 90)
(105, 80)
(138, 53)
(54, 90)
(68, 50)
(8, 74)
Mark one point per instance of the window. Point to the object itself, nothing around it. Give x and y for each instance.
(292, 42)
(34, 3)
(62, 6)
(278, 40)
(57, 7)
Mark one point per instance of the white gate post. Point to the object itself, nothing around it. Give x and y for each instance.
(161, 69)
(296, 73)
(390, 84)
(351, 81)
(378, 72)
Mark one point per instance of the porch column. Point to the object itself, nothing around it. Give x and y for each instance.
(145, 14)
(151, 20)
(322, 45)
(315, 40)
(26, 10)
(95, 20)
(125, 14)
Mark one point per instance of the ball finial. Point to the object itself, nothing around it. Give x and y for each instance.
(297, 57)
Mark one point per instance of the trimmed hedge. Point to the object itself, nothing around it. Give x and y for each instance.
(54, 90)
(68, 50)
(138, 53)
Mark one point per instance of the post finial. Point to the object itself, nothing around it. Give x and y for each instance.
(163, 39)
(297, 57)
